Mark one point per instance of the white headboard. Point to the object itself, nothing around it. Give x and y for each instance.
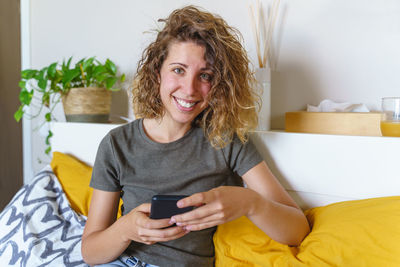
(318, 169)
(79, 139)
(315, 169)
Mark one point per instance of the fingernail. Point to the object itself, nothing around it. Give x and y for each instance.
(187, 228)
(172, 221)
(179, 224)
(179, 204)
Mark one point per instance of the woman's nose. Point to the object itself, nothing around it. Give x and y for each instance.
(190, 85)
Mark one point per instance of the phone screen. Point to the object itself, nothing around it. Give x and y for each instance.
(164, 206)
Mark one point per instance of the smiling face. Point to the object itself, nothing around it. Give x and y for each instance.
(185, 80)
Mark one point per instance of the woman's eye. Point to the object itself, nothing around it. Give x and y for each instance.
(206, 76)
(178, 70)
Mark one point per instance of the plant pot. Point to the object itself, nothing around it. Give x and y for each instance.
(87, 104)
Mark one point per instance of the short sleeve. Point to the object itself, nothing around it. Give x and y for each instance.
(241, 157)
(105, 175)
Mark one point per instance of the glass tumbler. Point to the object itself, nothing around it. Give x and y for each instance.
(390, 119)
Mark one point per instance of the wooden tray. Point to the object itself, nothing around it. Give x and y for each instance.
(345, 123)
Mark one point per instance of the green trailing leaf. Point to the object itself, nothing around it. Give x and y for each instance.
(59, 75)
(80, 62)
(28, 74)
(25, 97)
(51, 71)
(110, 81)
(70, 75)
(98, 70)
(42, 83)
(41, 79)
(100, 78)
(46, 99)
(111, 67)
(22, 84)
(48, 150)
(122, 78)
(40, 74)
(18, 114)
(87, 63)
(65, 65)
(48, 116)
(49, 135)
(68, 63)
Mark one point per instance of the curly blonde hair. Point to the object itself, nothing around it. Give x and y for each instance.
(232, 101)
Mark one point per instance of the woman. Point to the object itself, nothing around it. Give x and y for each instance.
(193, 95)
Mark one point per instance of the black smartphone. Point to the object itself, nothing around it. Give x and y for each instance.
(164, 206)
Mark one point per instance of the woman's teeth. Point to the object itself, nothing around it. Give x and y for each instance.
(185, 104)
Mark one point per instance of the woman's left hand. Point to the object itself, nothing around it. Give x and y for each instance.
(214, 207)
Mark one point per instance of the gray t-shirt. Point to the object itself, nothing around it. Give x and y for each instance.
(129, 161)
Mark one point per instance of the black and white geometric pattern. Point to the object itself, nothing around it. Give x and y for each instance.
(39, 228)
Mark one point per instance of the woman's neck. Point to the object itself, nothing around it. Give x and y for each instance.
(162, 131)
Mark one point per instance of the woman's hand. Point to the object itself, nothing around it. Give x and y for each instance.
(140, 228)
(214, 207)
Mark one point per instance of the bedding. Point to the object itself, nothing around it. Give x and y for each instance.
(351, 233)
(39, 228)
(43, 224)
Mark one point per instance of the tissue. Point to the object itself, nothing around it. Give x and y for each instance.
(328, 105)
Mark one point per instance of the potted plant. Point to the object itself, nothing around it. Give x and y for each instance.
(84, 89)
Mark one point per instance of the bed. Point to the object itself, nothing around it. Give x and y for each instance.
(355, 217)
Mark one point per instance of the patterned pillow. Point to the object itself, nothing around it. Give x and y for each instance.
(39, 228)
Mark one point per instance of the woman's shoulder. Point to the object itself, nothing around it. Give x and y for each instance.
(237, 146)
(122, 134)
(125, 129)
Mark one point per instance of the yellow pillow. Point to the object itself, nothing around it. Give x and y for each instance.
(354, 233)
(241, 243)
(74, 177)
(351, 233)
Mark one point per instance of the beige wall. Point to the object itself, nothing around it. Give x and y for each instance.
(11, 132)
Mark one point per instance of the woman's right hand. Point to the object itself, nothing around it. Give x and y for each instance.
(140, 228)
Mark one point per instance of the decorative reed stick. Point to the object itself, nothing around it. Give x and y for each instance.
(263, 31)
(256, 35)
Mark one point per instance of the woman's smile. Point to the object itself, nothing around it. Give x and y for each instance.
(185, 105)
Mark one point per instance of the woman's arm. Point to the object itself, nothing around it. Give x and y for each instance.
(272, 209)
(102, 240)
(265, 202)
(105, 238)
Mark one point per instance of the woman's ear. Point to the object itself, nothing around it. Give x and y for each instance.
(158, 78)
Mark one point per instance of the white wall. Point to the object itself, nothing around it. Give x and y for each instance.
(343, 50)
(337, 49)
